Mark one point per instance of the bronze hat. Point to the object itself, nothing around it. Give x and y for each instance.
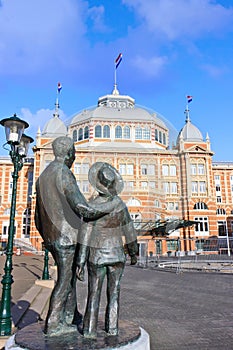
(101, 174)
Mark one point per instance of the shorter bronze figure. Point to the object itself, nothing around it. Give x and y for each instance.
(103, 249)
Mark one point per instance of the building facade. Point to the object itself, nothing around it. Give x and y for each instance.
(164, 179)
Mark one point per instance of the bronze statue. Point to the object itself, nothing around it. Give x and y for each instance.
(103, 249)
(59, 207)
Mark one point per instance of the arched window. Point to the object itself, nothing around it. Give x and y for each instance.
(221, 211)
(75, 135)
(133, 202)
(98, 131)
(200, 206)
(156, 135)
(138, 133)
(126, 132)
(118, 132)
(86, 132)
(80, 134)
(106, 132)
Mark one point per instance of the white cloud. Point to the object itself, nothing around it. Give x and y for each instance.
(182, 18)
(152, 66)
(38, 119)
(96, 14)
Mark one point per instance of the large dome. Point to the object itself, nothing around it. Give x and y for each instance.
(116, 107)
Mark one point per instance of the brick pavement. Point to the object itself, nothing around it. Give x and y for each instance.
(191, 310)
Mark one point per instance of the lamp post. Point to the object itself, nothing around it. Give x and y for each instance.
(19, 144)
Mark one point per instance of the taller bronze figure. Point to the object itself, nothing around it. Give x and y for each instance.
(59, 207)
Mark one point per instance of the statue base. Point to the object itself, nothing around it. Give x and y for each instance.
(131, 337)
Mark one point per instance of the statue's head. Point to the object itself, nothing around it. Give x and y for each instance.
(63, 149)
(105, 179)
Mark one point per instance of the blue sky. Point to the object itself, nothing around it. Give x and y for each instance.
(171, 48)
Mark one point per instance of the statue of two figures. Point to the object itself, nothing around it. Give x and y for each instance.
(79, 233)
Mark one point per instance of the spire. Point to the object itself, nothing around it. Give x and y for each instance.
(115, 90)
(56, 113)
(189, 99)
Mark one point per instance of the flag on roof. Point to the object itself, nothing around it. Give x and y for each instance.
(189, 99)
(118, 60)
(59, 87)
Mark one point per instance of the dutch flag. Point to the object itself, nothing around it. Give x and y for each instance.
(59, 87)
(189, 99)
(118, 60)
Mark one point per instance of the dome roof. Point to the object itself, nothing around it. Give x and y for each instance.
(55, 127)
(116, 107)
(190, 132)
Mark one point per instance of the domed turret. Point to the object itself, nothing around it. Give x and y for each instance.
(189, 132)
(55, 127)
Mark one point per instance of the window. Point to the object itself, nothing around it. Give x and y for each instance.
(147, 169)
(164, 139)
(126, 169)
(166, 187)
(172, 206)
(86, 132)
(201, 169)
(30, 183)
(202, 186)
(165, 170)
(80, 134)
(146, 134)
(219, 199)
(160, 136)
(156, 135)
(194, 187)
(138, 133)
(81, 168)
(220, 211)
(152, 184)
(129, 185)
(173, 187)
(157, 203)
(85, 186)
(106, 131)
(217, 178)
(172, 244)
(118, 132)
(222, 228)
(26, 222)
(200, 206)
(98, 131)
(218, 188)
(75, 135)
(137, 218)
(126, 132)
(202, 226)
(172, 170)
(133, 202)
(193, 169)
(144, 184)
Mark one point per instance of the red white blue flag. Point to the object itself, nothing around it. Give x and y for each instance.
(118, 60)
(189, 98)
(59, 87)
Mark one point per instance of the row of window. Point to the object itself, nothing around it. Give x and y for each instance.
(26, 224)
(81, 134)
(141, 133)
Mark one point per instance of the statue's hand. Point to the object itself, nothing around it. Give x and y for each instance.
(80, 273)
(133, 260)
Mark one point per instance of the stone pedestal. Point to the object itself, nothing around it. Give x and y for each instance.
(131, 337)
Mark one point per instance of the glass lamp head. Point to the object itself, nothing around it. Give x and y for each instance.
(23, 146)
(14, 128)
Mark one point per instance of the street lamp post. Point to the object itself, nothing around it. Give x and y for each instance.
(19, 144)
